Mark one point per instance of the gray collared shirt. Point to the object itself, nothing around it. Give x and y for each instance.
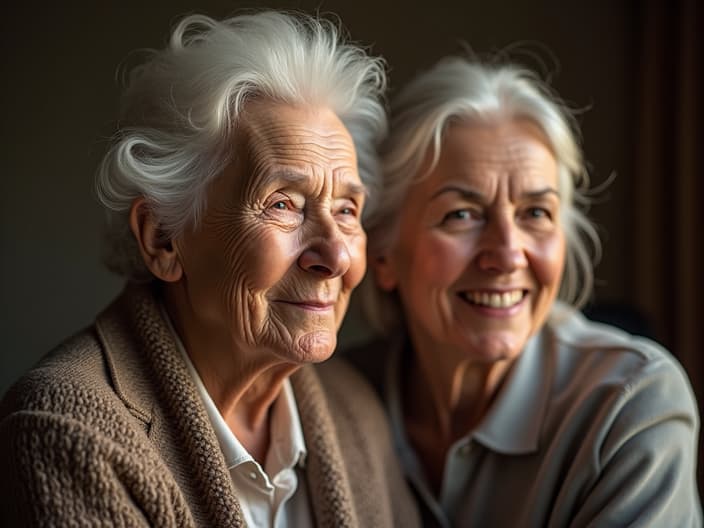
(593, 427)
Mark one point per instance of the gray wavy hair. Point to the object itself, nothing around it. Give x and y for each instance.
(460, 89)
(181, 106)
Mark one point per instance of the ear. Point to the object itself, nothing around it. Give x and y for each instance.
(384, 272)
(158, 254)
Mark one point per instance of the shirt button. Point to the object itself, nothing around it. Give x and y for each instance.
(252, 475)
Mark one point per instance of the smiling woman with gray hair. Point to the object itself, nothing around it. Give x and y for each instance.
(509, 408)
(235, 187)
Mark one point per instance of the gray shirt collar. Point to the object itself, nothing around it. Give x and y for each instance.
(513, 423)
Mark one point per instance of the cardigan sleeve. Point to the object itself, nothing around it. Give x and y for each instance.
(647, 457)
(59, 472)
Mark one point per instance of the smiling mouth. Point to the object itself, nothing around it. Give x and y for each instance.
(505, 299)
(313, 305)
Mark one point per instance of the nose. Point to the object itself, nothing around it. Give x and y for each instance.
(326, 254)
(501, 248)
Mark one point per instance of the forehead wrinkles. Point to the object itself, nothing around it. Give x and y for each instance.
(301, 144)
(485, 158)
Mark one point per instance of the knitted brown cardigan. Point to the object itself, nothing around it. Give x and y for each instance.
(108, 430)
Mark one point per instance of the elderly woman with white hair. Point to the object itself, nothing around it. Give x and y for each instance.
(235, 186)
(509, 407)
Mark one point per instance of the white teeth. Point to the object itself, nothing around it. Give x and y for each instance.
(495, 300)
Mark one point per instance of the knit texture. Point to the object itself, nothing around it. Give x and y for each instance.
(108, 430)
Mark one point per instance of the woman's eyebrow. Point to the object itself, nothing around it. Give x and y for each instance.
(474, 195)
(541, 192)
(287, 176)
(464, 193)
(350, 188)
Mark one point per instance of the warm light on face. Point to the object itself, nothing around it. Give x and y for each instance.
(481, 248)
(280, 247)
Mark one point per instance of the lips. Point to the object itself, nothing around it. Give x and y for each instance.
(311, 304)
(494, 299)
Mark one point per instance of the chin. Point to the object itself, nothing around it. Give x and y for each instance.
(491, 349)
(314, 347)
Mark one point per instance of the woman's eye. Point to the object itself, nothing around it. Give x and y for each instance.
(459, 214)
(347, 209)
(283, 205)
(539, 212)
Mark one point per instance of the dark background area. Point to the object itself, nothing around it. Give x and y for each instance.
(60, 101)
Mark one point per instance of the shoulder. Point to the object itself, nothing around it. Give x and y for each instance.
(627, 405)
(627, 392)
(596, 356)
(52, 384)
(71, 387)
(65, 434)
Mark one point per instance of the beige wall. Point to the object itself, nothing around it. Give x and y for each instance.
(59, 100)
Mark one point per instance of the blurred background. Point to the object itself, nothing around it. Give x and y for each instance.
(634, 67)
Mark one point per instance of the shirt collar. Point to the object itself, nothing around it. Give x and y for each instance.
(513, 424)
(514, 421)
(287, 440)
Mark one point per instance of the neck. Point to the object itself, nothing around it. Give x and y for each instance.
(443, 400)
(453, 400)
(243, 383)
(246, 400)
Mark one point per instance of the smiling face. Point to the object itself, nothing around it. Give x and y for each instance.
(270, 268)
(480, 251)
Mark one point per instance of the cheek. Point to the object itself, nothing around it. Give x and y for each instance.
(220, 246)
(437, 261)
(430, 262)
(265, 257)
(549, 262)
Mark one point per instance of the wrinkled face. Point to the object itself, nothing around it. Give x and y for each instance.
(481, 250)
(280, 247)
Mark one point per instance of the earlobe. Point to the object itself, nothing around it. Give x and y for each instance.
(384, 272)
(159, 255)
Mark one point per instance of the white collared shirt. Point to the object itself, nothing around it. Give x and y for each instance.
(269, 497)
